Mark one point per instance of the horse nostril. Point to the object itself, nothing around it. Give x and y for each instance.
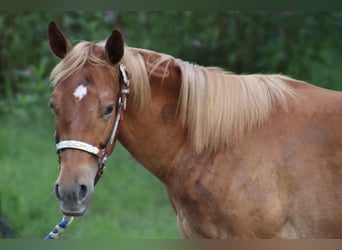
(82, 192)
(57, 192)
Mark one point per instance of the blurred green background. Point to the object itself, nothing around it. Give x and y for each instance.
(129, 202)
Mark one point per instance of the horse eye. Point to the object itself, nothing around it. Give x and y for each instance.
(52, 107)
(109, 110)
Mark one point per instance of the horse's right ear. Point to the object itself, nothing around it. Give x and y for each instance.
(59, 44)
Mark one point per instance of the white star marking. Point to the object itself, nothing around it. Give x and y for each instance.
(80, 92)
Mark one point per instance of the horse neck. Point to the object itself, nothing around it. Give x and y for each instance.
(154, 135)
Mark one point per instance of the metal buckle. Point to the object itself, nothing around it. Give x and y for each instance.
(124, 74)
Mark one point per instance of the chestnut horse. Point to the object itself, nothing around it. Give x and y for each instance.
(241, 156)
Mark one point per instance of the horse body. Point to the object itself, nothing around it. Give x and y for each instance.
(288, 186)
(275, 171)
(244, 191)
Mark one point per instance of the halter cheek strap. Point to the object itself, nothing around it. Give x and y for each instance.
(102, 153)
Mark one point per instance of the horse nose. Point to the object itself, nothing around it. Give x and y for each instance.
(79, 193)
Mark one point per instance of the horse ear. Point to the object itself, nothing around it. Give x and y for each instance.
(59, 44)
(115, 47)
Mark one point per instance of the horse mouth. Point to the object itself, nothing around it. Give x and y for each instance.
(74, 210)
(77, 213)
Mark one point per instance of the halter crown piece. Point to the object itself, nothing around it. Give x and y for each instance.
(103, 153)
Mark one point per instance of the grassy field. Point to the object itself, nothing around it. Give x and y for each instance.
(129, 202)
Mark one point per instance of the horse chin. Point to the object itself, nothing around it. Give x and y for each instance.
(78, 213)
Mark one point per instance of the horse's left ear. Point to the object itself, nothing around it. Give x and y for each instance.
(115, 47)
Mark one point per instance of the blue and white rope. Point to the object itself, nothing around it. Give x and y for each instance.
(59, 228)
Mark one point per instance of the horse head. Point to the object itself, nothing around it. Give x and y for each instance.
(87, 86)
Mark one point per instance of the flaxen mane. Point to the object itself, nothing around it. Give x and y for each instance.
(215, 106)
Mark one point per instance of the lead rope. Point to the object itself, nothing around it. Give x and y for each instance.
(59, 228)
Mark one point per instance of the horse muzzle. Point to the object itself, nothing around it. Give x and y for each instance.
(74, 200)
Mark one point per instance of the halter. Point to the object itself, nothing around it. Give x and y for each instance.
(102, 153)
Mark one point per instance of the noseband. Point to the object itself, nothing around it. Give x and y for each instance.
(102, 153)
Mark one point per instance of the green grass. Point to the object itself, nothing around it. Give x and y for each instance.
(129, 202)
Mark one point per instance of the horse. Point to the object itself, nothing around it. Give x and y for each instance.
(240, 155)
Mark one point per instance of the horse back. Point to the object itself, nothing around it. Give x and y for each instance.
(319, 110)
